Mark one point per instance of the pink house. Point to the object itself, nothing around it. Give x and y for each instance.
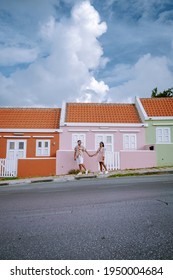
(117, 125)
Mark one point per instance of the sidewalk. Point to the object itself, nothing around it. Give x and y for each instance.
(66, 178)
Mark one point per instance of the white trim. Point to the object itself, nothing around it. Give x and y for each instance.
(36, 158)
(129, 141)
(29, 130)
(162, 124)
(104, 140)
(78, 130)
(89, 150)
(126, 130)
(170, 143)
(104, 130)
(15, 150)
(43, 136)
(74, 142)
(63, 113)
(141, 151)
(140, 108)
(42, 149)
(161, 118)
(107, 124)
(11, 136)
(162, 135)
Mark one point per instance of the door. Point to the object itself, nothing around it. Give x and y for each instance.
(15, 149)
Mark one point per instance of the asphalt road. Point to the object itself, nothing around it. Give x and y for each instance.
(125, 218)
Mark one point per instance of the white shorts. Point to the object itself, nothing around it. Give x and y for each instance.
(79, 160)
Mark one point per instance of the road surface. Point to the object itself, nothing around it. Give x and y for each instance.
(121, 218)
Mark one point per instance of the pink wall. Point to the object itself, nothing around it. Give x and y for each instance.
(65, 162)
(137, 159)
(66, 136)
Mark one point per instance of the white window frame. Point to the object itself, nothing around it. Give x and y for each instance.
(160, 139)
(76, 137)
(16, 150)
(130, 144)
(103, 136)
(43, 149)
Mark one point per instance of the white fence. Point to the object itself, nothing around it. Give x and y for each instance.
(8, 167)
(112, 160)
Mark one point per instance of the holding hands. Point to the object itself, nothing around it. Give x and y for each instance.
(91, 155)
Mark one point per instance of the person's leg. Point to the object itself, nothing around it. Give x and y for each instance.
(80, 167)
(105, 168)
(101, 169)
(83, 166)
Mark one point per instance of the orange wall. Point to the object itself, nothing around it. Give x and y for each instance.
(3, 144)
(36, 167)
(31, 143)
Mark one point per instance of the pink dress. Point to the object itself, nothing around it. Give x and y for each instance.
(101, 154)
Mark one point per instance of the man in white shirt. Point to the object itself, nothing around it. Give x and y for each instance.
(78, 156)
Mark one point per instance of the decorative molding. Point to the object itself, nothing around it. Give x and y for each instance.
(43, 136)
(104, 130)
(140, 108)
(37, 158)
(127, 130)
(63, 113)
(78, 130)
(106, 124)
(162, 124)
(15, 130)
(161, 118)
(12, 136)
(141, 151)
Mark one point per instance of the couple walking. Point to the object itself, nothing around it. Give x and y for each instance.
(78, 156)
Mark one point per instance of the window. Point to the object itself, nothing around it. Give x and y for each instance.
(107, 139)
(42, 147)
(76, 137)
(163, 135)
(129, 142)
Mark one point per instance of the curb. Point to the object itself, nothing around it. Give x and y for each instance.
(94, 176)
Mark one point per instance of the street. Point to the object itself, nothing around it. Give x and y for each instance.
(121, 218)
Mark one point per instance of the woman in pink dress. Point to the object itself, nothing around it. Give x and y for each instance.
(101, 157)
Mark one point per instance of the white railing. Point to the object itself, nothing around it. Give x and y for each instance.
(112, 160)
(8, 167)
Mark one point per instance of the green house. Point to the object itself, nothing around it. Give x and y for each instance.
(157, 113)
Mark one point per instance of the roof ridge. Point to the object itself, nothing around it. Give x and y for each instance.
(97, 103)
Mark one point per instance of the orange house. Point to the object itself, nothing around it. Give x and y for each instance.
(29, 139)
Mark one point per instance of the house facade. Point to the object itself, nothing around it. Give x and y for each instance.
(157, 113)
(118, 125)
(29, 139)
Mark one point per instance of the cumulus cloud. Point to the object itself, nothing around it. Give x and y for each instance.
(94, 91)
(13, 55)
(63, 67)
(141, 78)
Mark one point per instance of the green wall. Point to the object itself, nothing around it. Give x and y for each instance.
(164, 152)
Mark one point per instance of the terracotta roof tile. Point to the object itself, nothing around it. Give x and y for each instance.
(101, 113)
(158, 107)
(30, 118)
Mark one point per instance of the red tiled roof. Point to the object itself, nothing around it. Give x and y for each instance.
(158, 107)
(29, 118)
(101, 113)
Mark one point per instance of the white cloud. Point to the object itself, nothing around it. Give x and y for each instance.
(149, 72)
(14, 55)
(93, 92)
(71, 50)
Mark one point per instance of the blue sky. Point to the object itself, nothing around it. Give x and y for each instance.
(84, 51)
